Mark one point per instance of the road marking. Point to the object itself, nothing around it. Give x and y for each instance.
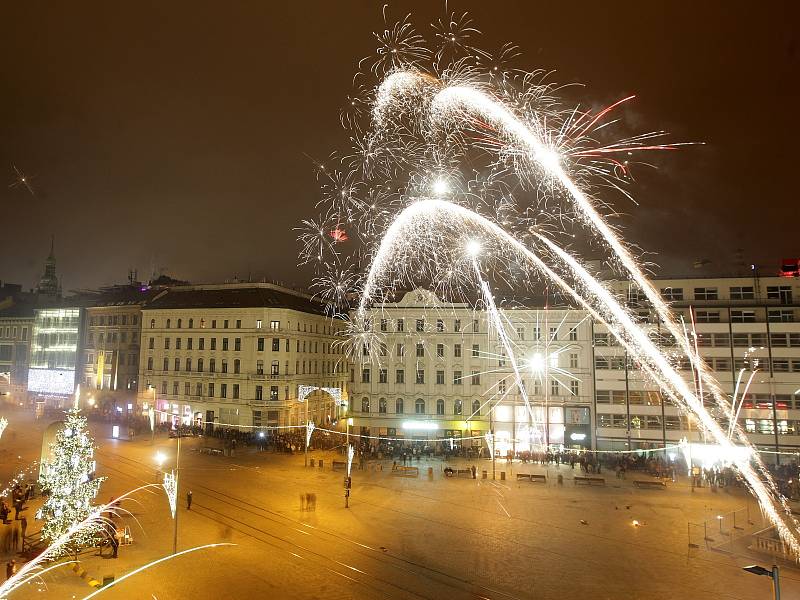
(504, 508)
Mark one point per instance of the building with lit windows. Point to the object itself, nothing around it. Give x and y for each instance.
(442, 372)
(54, 354)
(16, 324)
(435, 373)
(235, 355)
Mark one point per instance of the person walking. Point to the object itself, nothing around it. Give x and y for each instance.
(11, 568)
(189, 500)
(114, 539)
(474, 472)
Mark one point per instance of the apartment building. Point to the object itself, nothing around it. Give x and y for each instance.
(16, 324)
(236, 354)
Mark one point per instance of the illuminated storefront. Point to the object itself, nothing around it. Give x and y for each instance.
(54, 352)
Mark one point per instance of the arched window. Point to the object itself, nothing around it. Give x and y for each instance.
(169, 323)
(458, 407)
(419, 406)
(191, 325)
(152, 323)
(476, 408)
(179, 323)
(382, 406)
(439, 407)
(398, 406)
(199, 365)
(188, 364)
(365, 405)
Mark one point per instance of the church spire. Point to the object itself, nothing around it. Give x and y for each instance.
(48, 284)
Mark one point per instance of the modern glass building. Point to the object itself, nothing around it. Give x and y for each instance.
(54, 351)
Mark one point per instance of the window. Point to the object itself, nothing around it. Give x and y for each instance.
(400, 325)
(439, 325)
(573, 334)
(520, 333)
(275, 325)
(501, 386)
(555, 388)
(365, 405)
(225, 324)
(457, 325)
(399, 376)
(236, 365)
(177, 343)
(199, 365)
(273, 393)
(276, 344)
(742, 293)
(705, 293)
(672, 294)
(187, 389)
(223, 390)
(152, 323)
(780, 292)
(166, 342)
(419, 406)
(439, 377)
(150, 363)
(420, 379)
(398, 406)
(259, 392)
(365, 375)
(166, 365)
(476, 408)
(235, 390)
(780, 315)
(420, 350)
(458, 407)
(212, 365)
(188, 364)
(237, 344)
(401, 350)
(457, 379)
(420, 325)
(476, 350)
(743, 316)
(383, 376)
(708, 316)
(169, 324)
(474, 325)
(224, 365)
(382, 406)
(224, 343)
(476, 378)
(260, 344)
(260, 367)
(189, 343)
(213, 343)
(457, 350)
(177, 364)
(384, 324)
(574, 388)
(573, 361)
(152, 343)
(554, 333)
(383, 351)
(440, 407)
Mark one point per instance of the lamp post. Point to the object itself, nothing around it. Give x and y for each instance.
(177, 493)
(153, 423)
(159, 458)
(774, 574)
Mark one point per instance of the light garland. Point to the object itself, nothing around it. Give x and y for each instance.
(171, 488)
(3, 425)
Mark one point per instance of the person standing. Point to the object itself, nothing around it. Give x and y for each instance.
(189, 500)
(11, 568)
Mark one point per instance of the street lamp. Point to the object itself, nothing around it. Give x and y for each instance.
(759, 570)
(160, 457)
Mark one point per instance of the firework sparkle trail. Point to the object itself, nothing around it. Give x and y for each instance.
(456, 154)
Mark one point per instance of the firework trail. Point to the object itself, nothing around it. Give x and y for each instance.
(518, 171)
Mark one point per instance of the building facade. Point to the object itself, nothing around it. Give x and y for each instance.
(574, 371)
(16, 324)
(235, 355)
(55, 356)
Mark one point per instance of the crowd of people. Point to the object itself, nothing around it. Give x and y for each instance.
(14, 531)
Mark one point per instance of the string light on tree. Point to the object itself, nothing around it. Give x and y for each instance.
(3, 425)
(70, 481)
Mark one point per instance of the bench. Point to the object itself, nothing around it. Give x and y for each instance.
(338, 464)
(651, 483)
(405, 471)
(532, 477)
(589, 480)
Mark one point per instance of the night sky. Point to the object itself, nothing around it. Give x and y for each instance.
(176, 136)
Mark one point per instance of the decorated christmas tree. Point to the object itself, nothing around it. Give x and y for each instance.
(68, 479)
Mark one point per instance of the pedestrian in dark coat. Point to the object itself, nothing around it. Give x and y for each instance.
(11, 568)
(189, 500)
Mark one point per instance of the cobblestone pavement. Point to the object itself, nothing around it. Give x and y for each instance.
(424, 536)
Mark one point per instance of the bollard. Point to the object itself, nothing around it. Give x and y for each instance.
(484, 474)
(502, 475)
(430, 472)
(320, 463)
(312, 462)
(560, 479)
